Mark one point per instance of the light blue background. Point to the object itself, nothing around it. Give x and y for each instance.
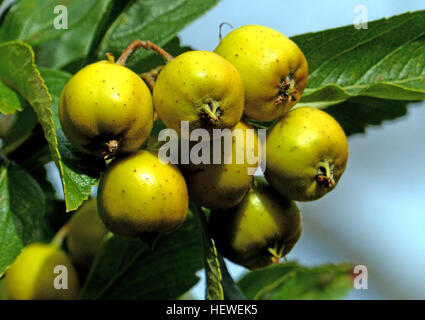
(376, 216)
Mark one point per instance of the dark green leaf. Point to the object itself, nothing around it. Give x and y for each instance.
(385, 61)
(32, 21)
(214, 288)
(55, 214)
(356, 114)
(19, 127)
(75, 44)
(154, 20)
(22, 206)
(125, 269)
(230, 289)
(290, 281)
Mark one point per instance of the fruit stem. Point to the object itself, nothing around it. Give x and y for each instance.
(60, 236)
(211, 110)
(221, 27)
(110, 57)
(287, 90)
(151, 76)
(148, 45)
(324, 175)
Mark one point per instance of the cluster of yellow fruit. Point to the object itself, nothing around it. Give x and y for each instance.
(106, 110)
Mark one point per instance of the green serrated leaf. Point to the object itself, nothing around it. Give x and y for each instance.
(75, 43)
(385, 61)
(10, 101)
(356, 114)
(125, 269)
(32, 21)
(22, 206)
(290, 281)
(214, 288)
(17, 70)
(80, 172)
(154, 20)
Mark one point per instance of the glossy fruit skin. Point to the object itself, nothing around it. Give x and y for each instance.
(106, 101)
(140, 197)
(265, 58)
(222, 186)
(31, 276)
(85, 234)
(307, 152)
(259, 231)
(193, 81)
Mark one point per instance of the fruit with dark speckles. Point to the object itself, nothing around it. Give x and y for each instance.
(200, 87)
(259, 231)
(140, 197)
(32, 275)
(106, 108)
(86, 232)
(273, 68)
(307, 152)
(223, 185)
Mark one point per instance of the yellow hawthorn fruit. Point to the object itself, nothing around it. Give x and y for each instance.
(273, 68)
(106, 108)
(140, 197)
(32, 275)
(261, 230)
(202, 88)
(307, 152)
(86, 232)
(223, 185)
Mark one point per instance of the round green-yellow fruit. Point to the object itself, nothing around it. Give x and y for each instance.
(141, 197)
(32, 275)
(259, 231)
(85, 234)
(224, 184)
(106, 108)
(273, 68)
(202, 88)
(307, 152)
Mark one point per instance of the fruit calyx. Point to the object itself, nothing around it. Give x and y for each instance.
(210, 111)
(105, 147)
(276, 252)
(111, 148)
(324, 176)
(287, 90)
